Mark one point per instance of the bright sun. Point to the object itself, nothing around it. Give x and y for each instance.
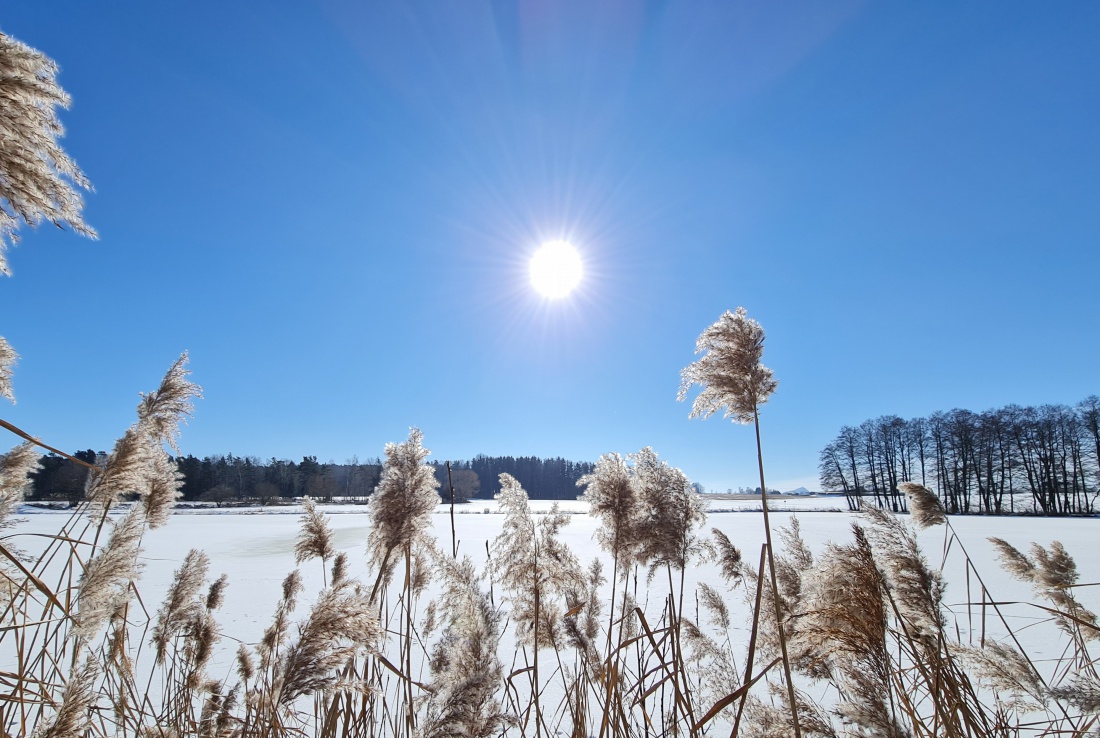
(555, 269)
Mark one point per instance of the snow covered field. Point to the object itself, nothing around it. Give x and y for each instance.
(255, 548)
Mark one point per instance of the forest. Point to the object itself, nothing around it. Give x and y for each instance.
(229, 479)
(1041, 460)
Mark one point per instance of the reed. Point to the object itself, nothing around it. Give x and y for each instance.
(414, 641)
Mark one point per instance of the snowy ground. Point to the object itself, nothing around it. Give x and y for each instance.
(255, 548)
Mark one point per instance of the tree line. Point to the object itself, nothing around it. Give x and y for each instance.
(1042, 460)
(228, 479)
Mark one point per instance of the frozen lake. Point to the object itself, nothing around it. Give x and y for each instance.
(255, 549)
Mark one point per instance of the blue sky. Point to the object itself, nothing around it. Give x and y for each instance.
(331, 205)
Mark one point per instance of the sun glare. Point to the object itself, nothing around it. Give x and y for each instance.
(556, 269)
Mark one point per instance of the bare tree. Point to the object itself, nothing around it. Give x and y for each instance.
(978, 462)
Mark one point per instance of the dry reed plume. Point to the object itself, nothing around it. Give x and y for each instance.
(734, 380)
(865, 622)
(466, 670)
(8, 357)
(38, 180)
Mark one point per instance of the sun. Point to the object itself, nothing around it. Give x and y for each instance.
(556, 269)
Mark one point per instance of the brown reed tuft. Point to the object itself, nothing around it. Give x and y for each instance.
(844, 630)
(246, 668)
(1013, 561)
(466, 670)
(181, 606)
(340, 624)
(1004, 669)
(8, 357)
(1082, 692)
(216, 720)
(315, 537)
(1053, 574)
(915, 588)
(613, 498)
(732, 378)
(532, 565)
(925, 509)
(123, 471)
(15, 468)
(339, 568)
(38, 180)
(73, 716)
(105, 584)
(795, 562)
(161, 411)
(670, 511)
(582, 626)
(276, 633)
(401, 506)
(216, 593)
(138, 462)
(719, 549)
(715, 605)
(202, 635)
(162, 481)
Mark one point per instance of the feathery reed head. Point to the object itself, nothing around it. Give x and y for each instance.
(613, 498)
(8, 357)
(124, 470)
(74, 714)
(315, 537)
(532, 565)
(339, 625)
(670, 512)
(721, 549)
(246, 667)
(715, 605)
(925, 509)
(138, 462)
(276, 633)
(1006, 670)
(105, 585)
(917, 589)
(161, 412)
(216, 594)
(1013, 561)
(181, 606)
(466, 669)
(339, 568)
(162, 484)
(402, 504)
(15, 467)
(1055, 569)
(730, 372)
(1083, 692)
(1053, 574)
(38, 180)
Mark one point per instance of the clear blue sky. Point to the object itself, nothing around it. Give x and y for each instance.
(331, 206)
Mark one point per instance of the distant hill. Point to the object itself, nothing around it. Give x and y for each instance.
(800, 491)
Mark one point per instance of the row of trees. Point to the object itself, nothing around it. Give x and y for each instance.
(1042, 460)
(225, 479)
(543, 479)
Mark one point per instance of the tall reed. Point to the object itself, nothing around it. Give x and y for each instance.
(734, 381)
(417, 642)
